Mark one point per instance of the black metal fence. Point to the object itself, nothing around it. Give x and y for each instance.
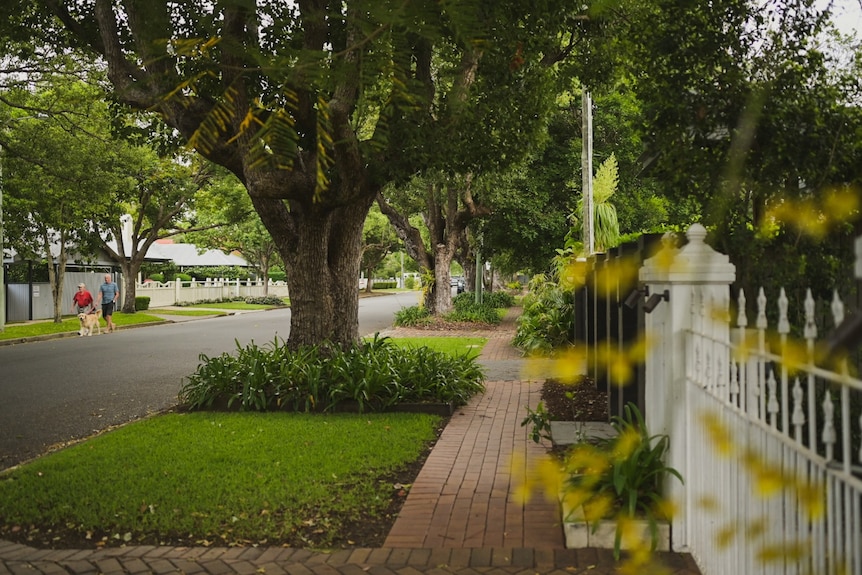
(609, 320)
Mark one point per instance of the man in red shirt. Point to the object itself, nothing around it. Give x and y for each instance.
(82, 301)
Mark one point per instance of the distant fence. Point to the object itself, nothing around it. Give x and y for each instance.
(31, 301)
(175, 292)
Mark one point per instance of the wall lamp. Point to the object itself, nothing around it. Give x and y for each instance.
(652, 301)
(655, 299)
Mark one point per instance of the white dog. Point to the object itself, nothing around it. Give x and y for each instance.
(89, 322)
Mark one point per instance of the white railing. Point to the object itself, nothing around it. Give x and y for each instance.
(172, 293)
(766, 438)
(775, 447)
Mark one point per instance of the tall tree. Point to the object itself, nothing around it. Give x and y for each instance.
(154, 206)
(378, 241)
(60, 178)
(448, 205)
(279, 93)
(751, 113)
(226, 220)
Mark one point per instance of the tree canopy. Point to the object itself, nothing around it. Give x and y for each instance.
(315, 106)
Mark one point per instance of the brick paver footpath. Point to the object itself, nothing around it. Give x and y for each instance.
(460, 515)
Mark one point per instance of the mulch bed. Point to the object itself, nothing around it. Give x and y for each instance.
(575, 402)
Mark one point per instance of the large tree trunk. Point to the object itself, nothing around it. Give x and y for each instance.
(130, 284)
(321, 248)
(439, 297)
(56, 275)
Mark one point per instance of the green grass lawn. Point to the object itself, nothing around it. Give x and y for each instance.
(70, 324)
(451, 345)
(216, 478)
(210, 478)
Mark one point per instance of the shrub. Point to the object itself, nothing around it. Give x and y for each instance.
(375, 376)
(547, 318)
(183, 278)
(277, 275)
(383, 284)
(267, 300)
(465, 308)
(157, 277)
(142, 302)
(410, 282)
(410, 316)
(499, 299)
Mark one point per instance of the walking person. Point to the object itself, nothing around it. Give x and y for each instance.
(82, 301)
(109, 292)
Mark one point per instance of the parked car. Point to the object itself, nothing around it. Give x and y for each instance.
(458, 282)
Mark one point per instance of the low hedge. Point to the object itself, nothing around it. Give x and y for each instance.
(372, 376)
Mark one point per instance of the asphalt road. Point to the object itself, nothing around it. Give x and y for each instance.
(56, 391)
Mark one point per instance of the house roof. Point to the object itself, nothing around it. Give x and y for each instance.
(184, 255)
(188, 255)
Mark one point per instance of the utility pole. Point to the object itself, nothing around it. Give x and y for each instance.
(587, 172)
(2, 265)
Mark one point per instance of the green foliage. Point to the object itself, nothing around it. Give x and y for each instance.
(211, 272)
(142, 303)
(157, 277)
(633, 476)
(374, 376)
(409, 283)
(499, 299)
(264, 300)
(183, 277)
(547, 319)
(383, 284)
(277, 275)
(410, 316)
(539, 422)
(606, 228)
(465, 308)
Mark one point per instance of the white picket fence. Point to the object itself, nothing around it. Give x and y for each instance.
(767, 440)
(174, 292)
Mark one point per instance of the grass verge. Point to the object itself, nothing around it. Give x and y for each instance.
(218, 478)
(71, 324)
(456, 346)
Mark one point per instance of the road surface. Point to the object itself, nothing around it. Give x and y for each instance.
(56, 391)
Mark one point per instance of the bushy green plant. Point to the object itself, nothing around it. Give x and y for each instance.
(157, 277)
(465, 308)
(277, 275)
(183, 277)
(142, 303)
(410, 282)
(374, 375)
(226, 272)
(410, 316)
(499, 299)
(539, 422)
(547, 319)
(263, 300)
(624, 473)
